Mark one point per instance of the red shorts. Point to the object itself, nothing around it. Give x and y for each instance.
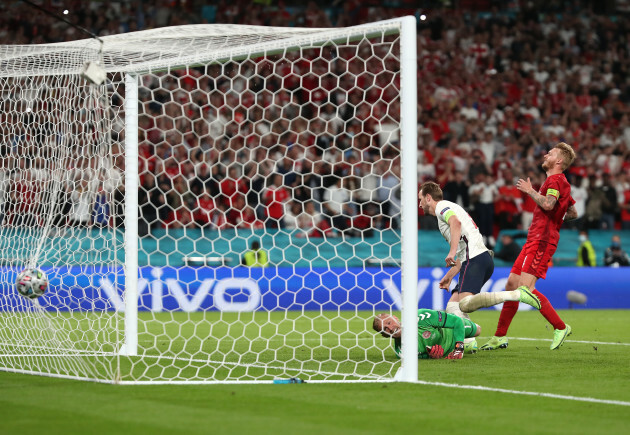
(534, 258)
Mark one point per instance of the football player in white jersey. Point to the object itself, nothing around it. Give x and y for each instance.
(468, 256)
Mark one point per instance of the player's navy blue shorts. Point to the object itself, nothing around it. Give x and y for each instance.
(475, 273)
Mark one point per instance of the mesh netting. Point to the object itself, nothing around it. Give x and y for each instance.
(268, 204)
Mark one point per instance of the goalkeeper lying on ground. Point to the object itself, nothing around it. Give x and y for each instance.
(438, 333)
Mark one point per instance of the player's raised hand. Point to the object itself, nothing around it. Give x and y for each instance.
(435, 352)
(524, 185)
(458, 352)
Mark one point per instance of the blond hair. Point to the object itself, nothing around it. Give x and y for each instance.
(567, 153)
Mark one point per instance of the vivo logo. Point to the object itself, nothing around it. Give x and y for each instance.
(158, 293)
(159, 288)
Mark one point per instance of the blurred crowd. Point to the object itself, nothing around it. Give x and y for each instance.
(280, 142)
(500, 92)
(497, 88)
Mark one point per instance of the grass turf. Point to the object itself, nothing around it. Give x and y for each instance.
(584, 367)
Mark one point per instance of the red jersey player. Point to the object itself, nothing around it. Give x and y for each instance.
(553, 206)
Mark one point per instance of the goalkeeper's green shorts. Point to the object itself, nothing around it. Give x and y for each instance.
(470, 328)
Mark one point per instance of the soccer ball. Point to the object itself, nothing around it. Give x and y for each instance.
(31, 283)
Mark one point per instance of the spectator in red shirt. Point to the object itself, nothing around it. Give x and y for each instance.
(202, 214)
(362, 224)
(311, 223)
(231, 185)
(507, 206)
(180, 215)
(275, 197)
(241, 215)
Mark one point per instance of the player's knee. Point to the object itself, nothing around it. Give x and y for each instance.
(465, 305)
(478, 333)
(512, 284)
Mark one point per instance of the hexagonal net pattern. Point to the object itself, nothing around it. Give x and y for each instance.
(60, 180)
(268, 205)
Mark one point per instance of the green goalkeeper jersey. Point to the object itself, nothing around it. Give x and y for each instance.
(436, 327)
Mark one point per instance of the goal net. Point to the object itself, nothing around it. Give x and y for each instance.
(226, 206)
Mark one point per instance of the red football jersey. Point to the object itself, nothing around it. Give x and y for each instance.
(546, 223)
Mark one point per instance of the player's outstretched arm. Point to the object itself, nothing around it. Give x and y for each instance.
(439, 319)
(459, 332)
(445, 282)
(457, 325)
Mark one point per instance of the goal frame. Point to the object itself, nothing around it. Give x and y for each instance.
(408, 371)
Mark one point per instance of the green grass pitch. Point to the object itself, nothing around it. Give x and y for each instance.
(592, 366)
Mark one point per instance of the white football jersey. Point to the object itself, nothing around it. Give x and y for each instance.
(471, 242)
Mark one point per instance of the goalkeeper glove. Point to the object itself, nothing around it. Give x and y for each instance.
(458, 352)
(435, 352)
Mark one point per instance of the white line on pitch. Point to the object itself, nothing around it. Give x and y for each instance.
(570, 341)
(526, 393)
(317, 340)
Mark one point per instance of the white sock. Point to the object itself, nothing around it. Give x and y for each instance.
(453, 308)
(487, 299)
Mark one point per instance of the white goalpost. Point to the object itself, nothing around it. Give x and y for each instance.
(140, 196)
